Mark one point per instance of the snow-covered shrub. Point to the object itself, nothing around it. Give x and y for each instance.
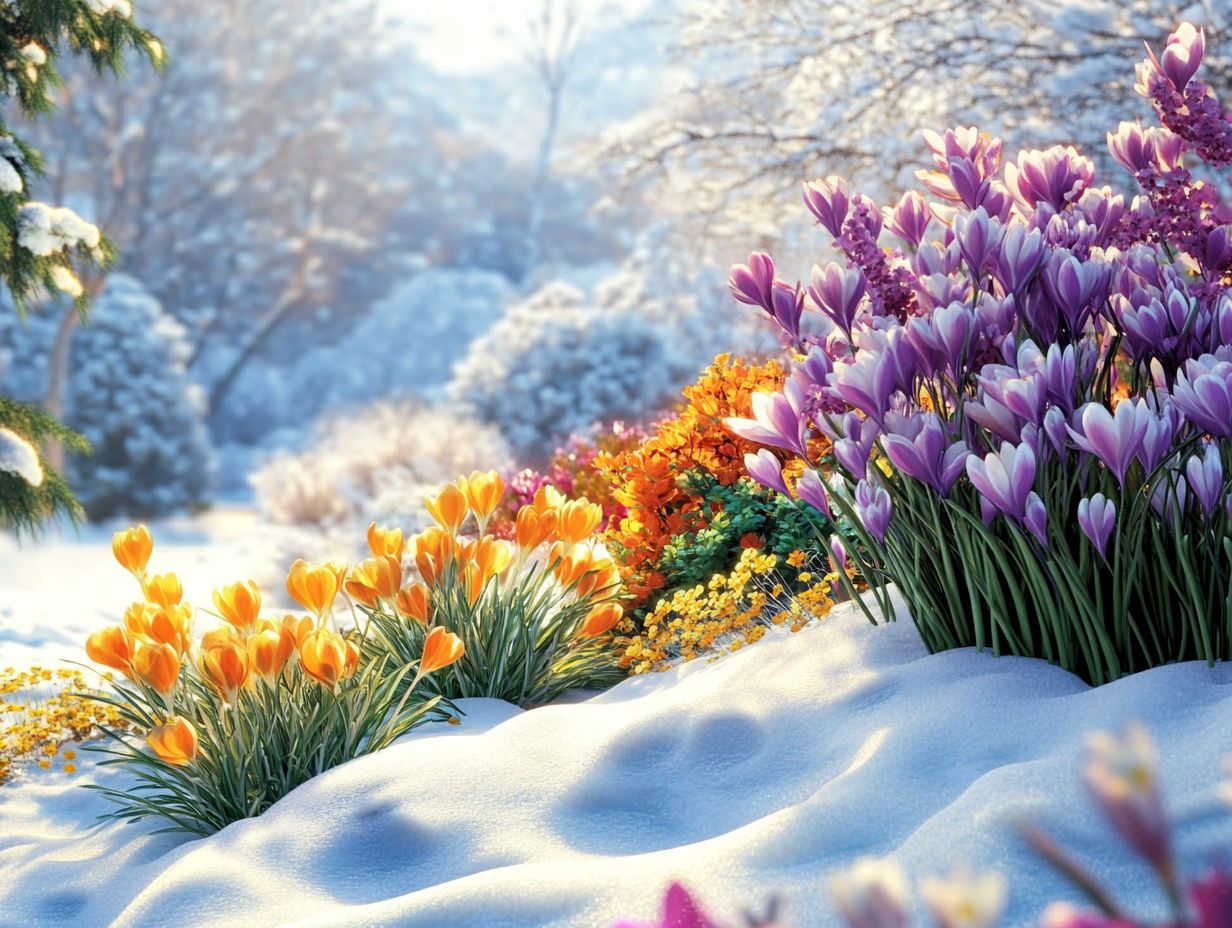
(556, 364)
(130, 394)
(375, 464)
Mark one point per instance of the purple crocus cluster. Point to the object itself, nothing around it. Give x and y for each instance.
(1034, 347)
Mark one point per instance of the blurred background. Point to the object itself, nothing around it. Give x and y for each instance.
(365, 246)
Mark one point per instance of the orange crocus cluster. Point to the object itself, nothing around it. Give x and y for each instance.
(649, 480)
(154, 646)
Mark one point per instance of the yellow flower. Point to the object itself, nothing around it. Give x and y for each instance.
(441, 648)
(375, 579)
(227, 668)
(328, 657)
(269, 650)
(164, 590)
(174, 741)
(796, 558)
(385, 541)
(112, 647)
(483, 493)
(313, 586)
(449, 508)
(577, 521)
(415, 602)
(159, 666)
(239, 604)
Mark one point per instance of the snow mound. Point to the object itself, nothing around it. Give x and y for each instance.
(763, 772)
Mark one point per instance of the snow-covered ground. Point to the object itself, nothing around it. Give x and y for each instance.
(761, 773)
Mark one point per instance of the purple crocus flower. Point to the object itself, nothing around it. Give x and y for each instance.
(1074, 286)
(679, 911)
(1132, 147)
(921, 449)
(839, 551)
(753, 283)
(1203, 393)
(1055, 176)
(1212, 898)
(827, 199)
(810, 489)
(779, 420)
(866, 383)
(1036, 519)
(787, 306)
(909, 219)
(1019, 257)
(977, 235)
(1056, 428)
(1181, 57)
(1114, 438)
(1004, 478)
(1097, 519)
(1204, 474)
(766, 469)
(854, 447)
(837, 291)
(874, 509)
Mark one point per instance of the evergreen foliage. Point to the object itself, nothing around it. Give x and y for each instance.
(39, 242)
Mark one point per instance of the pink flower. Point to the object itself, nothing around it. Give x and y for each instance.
(679, 911)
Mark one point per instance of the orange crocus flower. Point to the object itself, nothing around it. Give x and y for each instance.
(239, 604)
(385, 541)
(449, 508)
(415, 602)
(175, 741)
(571, 564)
(578, 520)
(441, 648)
(602, 619)
(375, 579)
(132, 548)
(534, 527)
(328, 657)
(269, 651)
(220, 637)
(164, 590)
(113, 647)
(483, 493)
(158, 665)
(227, 668)
(298, 627)
(314, 586)
(548, 499)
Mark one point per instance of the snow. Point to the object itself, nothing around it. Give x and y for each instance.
(767, 771)
(45, 230)
(17, 456)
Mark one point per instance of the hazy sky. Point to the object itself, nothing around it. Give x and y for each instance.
(475, 35)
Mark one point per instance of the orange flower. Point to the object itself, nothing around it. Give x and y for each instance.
(239, 604)
(175, 741)
(534, 528)
(434, 548)
(441, 648)
(491, 555)
(158, 665)
(227, 668)
(164, 590)
(132, 548)
(448, 508)
(751, 540)
(298, 627)
(571, 565)
(112, 647)
(374, 579)
(269, 651)
(602, 619)
(548, 499)
(328, 657)
(220, 637)
(483, 493)
(313, 586)
(578, 520)
(385, 541)
(170, 625)
(415, 602)
(603, 576)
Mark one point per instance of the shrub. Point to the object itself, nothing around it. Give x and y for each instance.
(554, 366)
(235, 721)
(535, 614)
(375, 464)
(653, 480)
(730, 611)
(130, 394)
(1045, 389)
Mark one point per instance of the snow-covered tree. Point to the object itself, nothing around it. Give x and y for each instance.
(131, 396)
(40, 242)
(782, 92)
(557, 364)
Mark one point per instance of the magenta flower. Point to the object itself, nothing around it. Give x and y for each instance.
(766, 469)
(1212, 899)
(1097, 519)
(753, 283)
(1203, 392)
(828, 200)
(679, 911)
(839, 552)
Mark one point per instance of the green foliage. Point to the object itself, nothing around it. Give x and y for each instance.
(23, 508)
(734, 512)
(253, 753)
